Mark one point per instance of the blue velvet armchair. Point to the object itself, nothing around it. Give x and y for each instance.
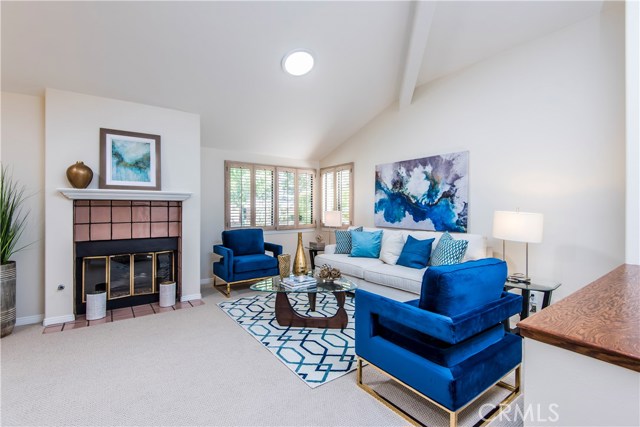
(450, 345)
(244, 258)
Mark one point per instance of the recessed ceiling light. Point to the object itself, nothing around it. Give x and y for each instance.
(298, 62)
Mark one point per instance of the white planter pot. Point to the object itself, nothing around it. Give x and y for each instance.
(96, 305)
(167, 294)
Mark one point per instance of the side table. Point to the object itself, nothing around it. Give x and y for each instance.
(312, 254)
(539, 285)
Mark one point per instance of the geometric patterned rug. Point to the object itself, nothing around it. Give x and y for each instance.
(315, 355)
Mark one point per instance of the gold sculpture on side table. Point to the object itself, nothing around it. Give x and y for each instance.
(300, 261)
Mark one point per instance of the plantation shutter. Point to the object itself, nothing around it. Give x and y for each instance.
(269, 197)
(286, 198)
(305, 197)
(343, 194)
(328, 192)
(239, 196)
(337, 191)
(264, 196)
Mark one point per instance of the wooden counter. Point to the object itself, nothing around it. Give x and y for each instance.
(601, 320)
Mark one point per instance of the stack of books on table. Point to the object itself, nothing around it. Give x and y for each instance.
(295, 282)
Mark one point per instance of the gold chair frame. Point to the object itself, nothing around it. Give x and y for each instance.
(453, 415)
(228, 284)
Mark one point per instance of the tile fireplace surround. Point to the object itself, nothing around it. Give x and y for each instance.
(125, 219)
(121, 215)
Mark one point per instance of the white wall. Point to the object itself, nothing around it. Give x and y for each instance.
(544, 125)
(564, 388)
(22, 150)
(212, 161)
(633, 131)
(72, 125)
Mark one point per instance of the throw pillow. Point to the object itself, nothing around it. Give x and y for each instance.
(366, 244)
(448, 251)
(343, 240)
(392, 244)
(415, 253)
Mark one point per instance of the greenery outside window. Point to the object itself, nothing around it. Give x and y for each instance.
(337, 191)
(268, 197)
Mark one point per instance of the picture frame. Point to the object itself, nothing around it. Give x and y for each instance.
(129, 160)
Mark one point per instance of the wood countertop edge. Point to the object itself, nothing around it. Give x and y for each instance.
(551, 327)
(624, 360)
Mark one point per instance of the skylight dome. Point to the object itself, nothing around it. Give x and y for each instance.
(298, 62)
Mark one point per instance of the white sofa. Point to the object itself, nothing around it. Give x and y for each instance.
(395, 281)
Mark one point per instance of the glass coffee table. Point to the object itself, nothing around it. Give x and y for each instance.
(287, 316)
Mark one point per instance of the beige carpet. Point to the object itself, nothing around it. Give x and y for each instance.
(187, 367)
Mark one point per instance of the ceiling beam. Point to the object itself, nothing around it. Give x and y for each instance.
(422, 16)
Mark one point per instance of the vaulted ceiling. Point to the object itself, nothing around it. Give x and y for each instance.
(222, 59)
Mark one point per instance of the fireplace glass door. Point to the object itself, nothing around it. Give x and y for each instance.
(127, 275)
(142, 274)
(164, 268)
(94, 273)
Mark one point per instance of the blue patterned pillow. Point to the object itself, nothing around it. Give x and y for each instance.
(343, 240)
(448, 251)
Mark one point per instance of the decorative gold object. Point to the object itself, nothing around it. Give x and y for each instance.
(284, 265)
(300, 261)
(79, 175)
(328, 273)
(325, 272)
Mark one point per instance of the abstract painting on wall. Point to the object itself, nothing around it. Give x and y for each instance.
(129, 160)
(431, 193)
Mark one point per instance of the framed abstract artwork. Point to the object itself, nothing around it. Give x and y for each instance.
(129, 160)
(431, 193)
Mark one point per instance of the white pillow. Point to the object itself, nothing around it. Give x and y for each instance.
(392, 244)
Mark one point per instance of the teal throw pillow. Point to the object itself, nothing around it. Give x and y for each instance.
(415, 253)
(448, 251)
(343, 240)
(366, 244)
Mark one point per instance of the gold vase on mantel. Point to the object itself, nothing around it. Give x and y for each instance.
(300, 261)
(79, 175)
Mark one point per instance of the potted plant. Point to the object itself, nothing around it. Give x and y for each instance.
(12, 224)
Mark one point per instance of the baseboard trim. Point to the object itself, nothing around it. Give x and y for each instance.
(29, 320)
(208, 281)
(58, 319)
(190, 297)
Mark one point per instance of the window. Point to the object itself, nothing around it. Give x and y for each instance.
(269, 197)
(337, 191)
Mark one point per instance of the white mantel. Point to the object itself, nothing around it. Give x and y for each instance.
(103, 194)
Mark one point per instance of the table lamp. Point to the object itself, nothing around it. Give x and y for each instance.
(332, 219)
(518, 227)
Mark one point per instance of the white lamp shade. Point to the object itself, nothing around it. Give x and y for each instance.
(518, 226)
(333, 219)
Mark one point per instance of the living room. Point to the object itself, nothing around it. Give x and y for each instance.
(548, 123)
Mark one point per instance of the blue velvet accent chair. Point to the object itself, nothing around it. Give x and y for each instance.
(244, 258)
(450, 345)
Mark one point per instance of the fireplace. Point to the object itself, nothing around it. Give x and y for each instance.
(130, 271)
(126, 248)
